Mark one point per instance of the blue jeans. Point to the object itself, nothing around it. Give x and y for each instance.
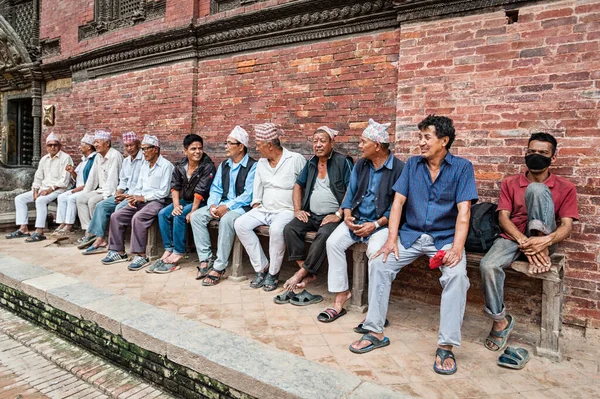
(173, 228)
(540, 216)
(101, 216)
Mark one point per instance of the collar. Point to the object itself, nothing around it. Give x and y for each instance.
(389, 162)
(524, 182)
(315, 159)
(449, 158)
(243, 162)
(139, 156)
(84, 158)
(58, 154)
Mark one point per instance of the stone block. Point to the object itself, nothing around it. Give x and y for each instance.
(110, 312)
(71, 298)
(37, 287)
(13, 271)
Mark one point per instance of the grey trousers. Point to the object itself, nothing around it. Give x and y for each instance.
(226, 235)
(86, 204)
(454, 281)
(140, 217)
(540, 216)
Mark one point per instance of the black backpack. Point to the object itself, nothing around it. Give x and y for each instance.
(483, 227)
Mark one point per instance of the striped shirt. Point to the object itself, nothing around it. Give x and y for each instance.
(431, 206)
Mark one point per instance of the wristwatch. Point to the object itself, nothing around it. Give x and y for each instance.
(376, 225)
(337, 213)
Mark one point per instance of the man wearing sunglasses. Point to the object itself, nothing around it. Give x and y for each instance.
(50, 180)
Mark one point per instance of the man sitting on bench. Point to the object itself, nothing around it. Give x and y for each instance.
(530, 204)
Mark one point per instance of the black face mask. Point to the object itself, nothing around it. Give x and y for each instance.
(537, 162)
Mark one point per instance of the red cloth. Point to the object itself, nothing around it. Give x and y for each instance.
(512, 199)
(436, 260)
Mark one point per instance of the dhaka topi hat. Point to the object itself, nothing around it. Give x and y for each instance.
(88, 139)
(151, 140)
(101, 135)
(377, 132)
(331, 132)
(267, 132)
(240, 135)
(130, 137)
(52, 137)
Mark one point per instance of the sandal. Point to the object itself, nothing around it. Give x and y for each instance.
(500, 338)
(305, 298)
(514, 358)
(203, 271)
(330, 314)
(270, 282)
(35, 237)
(16, 234)
(359, 329)
(259, 280)
(284, 297)
(375, 343)
(443, 355)
(210, 280)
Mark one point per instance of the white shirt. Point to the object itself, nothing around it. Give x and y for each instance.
(51, 172)
(273, 187)
(79, 169)
(104, 176)
(130, 171)
(154, 183)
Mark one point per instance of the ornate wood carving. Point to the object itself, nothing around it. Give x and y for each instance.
(50, 47)
(217, 6)
(409, 10)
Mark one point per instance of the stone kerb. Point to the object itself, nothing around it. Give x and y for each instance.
(169, 350)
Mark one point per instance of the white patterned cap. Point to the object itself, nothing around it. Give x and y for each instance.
(88, 139)
(240, 135)
(267, 131)
(377, 132)
(151, 140)
(331, 132)
(52, 137)
(101, 135)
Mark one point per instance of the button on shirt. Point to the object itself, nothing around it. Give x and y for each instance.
(104, 176)
(235, 204)
(130, 170)
(51, 172)
(154, 183)
(431, 207)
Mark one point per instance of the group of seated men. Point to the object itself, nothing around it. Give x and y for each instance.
(400, 210)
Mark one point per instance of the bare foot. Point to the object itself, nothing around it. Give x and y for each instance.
(498, 326)
(173, 259)
(306, 280)
(293, 281)
(340, 299)
(448, 363)
(166, 255)
(99, 242)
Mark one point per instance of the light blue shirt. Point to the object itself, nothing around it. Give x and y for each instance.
(234, 203)
(154, 183)
(130, 171)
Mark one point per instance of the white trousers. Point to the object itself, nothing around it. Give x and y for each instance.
(244, 228)
(86, 204)
(41, 207)
(67, 207)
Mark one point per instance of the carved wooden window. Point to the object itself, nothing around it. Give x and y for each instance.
(226, 5)
(20, 15)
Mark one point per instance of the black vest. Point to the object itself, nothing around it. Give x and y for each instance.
(335, 171)
(385, 193)
(240, 180)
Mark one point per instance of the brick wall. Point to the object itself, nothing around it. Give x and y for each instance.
(501, 82)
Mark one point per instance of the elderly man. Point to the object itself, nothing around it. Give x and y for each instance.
(190, 187)
(66, 212)
(102, 182)
(272, 204)
(437, 190)
(128, 178)
(230, 197)
(50, 180)
(145, 200)
(366, 210)
(530, 205)
(318, 195)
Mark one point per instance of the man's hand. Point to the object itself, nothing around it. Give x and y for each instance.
(302, 216)
(221, 210)
(177, 210)
(77, 189)
(134, 199)
(388, 248)
(534, 245)
(255, 205)
(366, 229)
(212, 210)
(332, 218)
(35, 194)
(70, 169)
(45, 192)
(120, 197)
(452, 257)
(350, 223)
(187, 217)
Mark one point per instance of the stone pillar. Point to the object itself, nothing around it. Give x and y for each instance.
(36, 113)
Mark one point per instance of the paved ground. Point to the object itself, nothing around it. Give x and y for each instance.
(35, 363)
(406, 365)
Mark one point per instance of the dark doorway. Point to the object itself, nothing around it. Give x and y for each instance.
(19, 148)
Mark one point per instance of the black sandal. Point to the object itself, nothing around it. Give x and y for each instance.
(203, 271)
(259, 280)
(16, 234)
(270, 282)
(444, 354)
(284, 297)
(212, 280)
(305, 298)
(35, 237)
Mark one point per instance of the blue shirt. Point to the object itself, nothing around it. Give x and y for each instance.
(234, 203)
(431, 206)
(366, 209)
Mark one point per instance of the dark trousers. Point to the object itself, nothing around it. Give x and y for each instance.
(295, 233)
(140, 218)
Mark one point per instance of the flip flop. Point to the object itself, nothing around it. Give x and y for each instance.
(444, 354)
(284, 297)
(500, 338)
(16, 234)
(305, 298)
(330, 314)
(375, 343)
(360, 330)
(94, 250)
(514, 358)
(35, 237)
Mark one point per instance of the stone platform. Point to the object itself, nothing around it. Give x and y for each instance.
(239, 337)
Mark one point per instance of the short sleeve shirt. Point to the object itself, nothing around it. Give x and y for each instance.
(512, 199)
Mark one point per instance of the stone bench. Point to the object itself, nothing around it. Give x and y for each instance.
(552, 294)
